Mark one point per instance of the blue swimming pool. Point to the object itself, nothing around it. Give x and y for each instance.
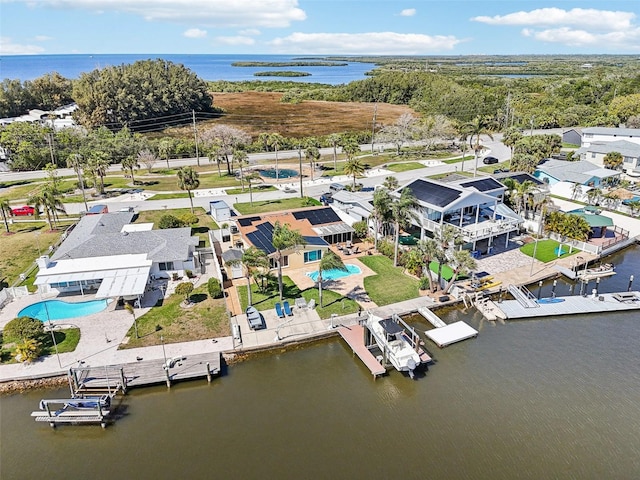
(59, 310)
(282, 173)
(335, 274)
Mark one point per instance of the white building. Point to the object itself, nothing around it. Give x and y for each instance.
(605, 134)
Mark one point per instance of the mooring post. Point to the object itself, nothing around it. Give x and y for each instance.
(553, 288)
(123, 380)
(166, 371)
(539, 289)
(597, 284)
(208, 373)
(630, 283)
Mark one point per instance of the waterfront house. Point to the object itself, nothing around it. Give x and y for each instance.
(320, 227)
(108, 254)
(474, 207)
(606, 134)
(552, 171)
(630, 151)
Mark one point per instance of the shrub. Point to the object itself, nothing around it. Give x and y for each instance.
(424, 283)
(189, 218)
(170, 221)
(27, 350)
(214, 288)
(184, 288)
(385, 248)
(361, 229)
(23, 329)
(188, 273)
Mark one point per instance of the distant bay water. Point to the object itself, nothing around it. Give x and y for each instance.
(207, 67)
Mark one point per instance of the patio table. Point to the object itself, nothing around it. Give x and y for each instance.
(301, 302)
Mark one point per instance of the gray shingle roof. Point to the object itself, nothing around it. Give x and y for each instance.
(624, 147)
(619, 132)
(576, 172)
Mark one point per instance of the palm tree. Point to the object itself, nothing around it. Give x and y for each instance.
(613, 160)
(312, 154)
(381, 212)
(241, 158)
(334, 140)
(329, 261)
(462, 263)
(78, 163)
(521, 194)
(5, 210)
(253, 259)
(99, 164)
(350, 147)
(50, 202)
(354, 167)
(250, 179)
(403, 210)
(130, 164)
(129, 308)
(428, 249)
(275, 140)
(594, 196)
(390, 183)
(448, 237)
(283, 238)
(188, 180)
(477, 127)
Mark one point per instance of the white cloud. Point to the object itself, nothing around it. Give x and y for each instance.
(250, 31)
(613, 41)
(7, 47)
(237, 40)
(380, 43)
(42, 38)
(235, 13)
(583, 17)
(195, 33)
(408, 12)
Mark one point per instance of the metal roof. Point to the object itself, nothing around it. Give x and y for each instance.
(433, 193)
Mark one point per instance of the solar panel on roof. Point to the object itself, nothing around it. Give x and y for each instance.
(433, 193)
(317, 241)
(245, 222)
(317, 216)
(262, 238)
(483, 184)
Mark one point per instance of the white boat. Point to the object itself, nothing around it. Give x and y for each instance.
(604, 270)
(392, 339)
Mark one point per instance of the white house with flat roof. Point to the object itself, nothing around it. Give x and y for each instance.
(630, 152)
(606, 134)
(104, 253)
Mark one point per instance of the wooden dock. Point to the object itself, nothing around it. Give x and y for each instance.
(573, 305)
(444, 335)
(354, 336)
(144, 372)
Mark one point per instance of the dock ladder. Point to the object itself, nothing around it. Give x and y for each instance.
(523, 296)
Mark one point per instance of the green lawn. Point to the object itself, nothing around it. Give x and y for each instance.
(256, 188)
(390, 285)
(66, 340)
(265, 206)
(546, 250)
(333, 302)
(207, 318)
(403, 167)
(466, 158)
(169, 196)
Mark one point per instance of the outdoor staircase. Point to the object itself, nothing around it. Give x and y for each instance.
(523, 296)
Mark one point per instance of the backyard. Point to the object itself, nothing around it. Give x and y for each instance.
(390, 284)
(548, 250)
(267, 298)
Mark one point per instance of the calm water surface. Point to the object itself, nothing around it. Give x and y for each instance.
(551, 398)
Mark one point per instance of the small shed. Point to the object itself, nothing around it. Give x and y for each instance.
(232, 259)
(220, 211)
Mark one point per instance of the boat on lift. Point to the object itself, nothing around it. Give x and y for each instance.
(394, 343)
(604, 270)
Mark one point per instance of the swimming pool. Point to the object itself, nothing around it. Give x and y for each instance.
(282, 173)
(334, 274)
(59, 310)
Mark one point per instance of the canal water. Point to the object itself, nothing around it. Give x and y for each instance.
(551, 398)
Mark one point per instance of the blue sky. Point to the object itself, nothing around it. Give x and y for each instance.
(380, 27)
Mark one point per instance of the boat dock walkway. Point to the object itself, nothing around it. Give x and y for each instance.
(572, 305)
(444, 335)
(145, 372)
(354, 336)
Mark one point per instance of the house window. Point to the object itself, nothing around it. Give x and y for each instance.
(312, 256)
(593, 154)
(274, 264)
(163, 266)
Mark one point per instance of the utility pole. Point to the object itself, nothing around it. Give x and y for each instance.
(50, 142)
(300, 162)
(373, 125)
(195, 135)
(508, 109)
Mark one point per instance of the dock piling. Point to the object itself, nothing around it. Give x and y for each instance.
(208, 373)
(630, 283)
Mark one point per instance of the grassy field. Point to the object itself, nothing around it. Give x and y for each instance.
(404, 167)
(256, 188)
(25, 243)
(257, 112)
(265, 206)
(206, 318)
(390, 284)
(201, 229)
(333, 302)
(547, 250)
(66, 341)
(169, 196)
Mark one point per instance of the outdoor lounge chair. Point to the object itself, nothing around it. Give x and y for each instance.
(279, 310)
(312, 304)
(356, 250)
(287, 308)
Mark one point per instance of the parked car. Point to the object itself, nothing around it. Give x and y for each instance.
(326, 198)
(490, 160)
(23, 211)
(336, 187)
